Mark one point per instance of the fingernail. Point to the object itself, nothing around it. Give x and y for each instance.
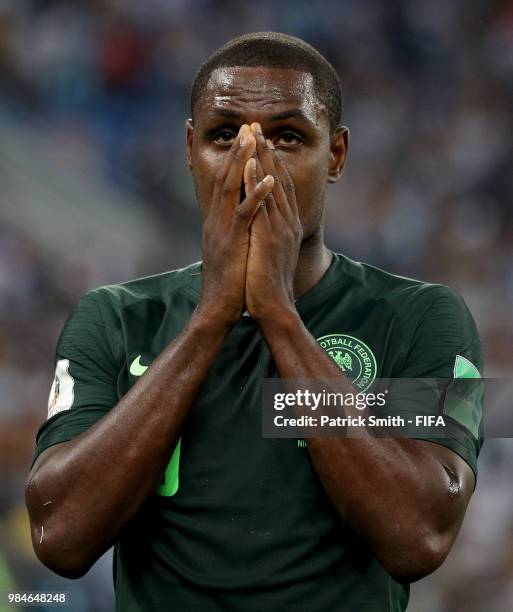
(269, 143)
(268, 179)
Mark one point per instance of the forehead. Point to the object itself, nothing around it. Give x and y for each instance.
(261, 90)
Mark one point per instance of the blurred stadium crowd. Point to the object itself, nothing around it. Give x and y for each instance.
(96, 93)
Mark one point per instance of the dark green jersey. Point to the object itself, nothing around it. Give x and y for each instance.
(241, 522)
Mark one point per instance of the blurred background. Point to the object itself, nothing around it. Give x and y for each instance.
(94, 189)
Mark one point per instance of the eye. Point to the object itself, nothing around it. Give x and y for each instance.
(224, 136)
(289, 138)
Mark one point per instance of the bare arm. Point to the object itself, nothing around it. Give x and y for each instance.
(80, 494)
(406, 497)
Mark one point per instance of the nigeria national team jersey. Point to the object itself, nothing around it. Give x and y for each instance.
(240, 522)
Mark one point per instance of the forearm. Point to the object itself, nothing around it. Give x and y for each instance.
(393, 492)
(81, 496)
(395, 495)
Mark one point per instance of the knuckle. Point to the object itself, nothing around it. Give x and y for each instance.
(228, 190)
(241, 213)
(239, 155)
(290, 185)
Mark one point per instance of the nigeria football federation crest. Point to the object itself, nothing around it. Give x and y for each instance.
(353, 357)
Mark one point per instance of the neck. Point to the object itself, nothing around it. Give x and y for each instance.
(314, 259)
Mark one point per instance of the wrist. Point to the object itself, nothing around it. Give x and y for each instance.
(216, 317)
(278, 319)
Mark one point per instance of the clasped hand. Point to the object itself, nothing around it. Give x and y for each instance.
(251, 246)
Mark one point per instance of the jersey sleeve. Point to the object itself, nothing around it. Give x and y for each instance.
(84, 387)
(441, 376)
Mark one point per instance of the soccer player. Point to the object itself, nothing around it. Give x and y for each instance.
(153, 440)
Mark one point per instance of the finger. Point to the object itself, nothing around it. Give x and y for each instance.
(222, 172)
(259, 170)
(254, 201)
(230, 191)
(261, 207)
(250, 175)
(287, 183)
(270, 202)
(265, 151)
(261, 214)
(279, 192)
(225, 166)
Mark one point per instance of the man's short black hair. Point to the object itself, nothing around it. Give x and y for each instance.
(275, 50)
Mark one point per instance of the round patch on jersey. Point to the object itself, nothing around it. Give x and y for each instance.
(353, 357)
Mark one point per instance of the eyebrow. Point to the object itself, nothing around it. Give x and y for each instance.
(287, 114)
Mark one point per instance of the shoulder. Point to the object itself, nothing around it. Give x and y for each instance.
(154, 287)
(409, 298)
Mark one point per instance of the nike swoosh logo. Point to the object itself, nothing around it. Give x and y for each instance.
(136, 369)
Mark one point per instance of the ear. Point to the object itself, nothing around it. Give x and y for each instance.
(338, 153)
(189, 129)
